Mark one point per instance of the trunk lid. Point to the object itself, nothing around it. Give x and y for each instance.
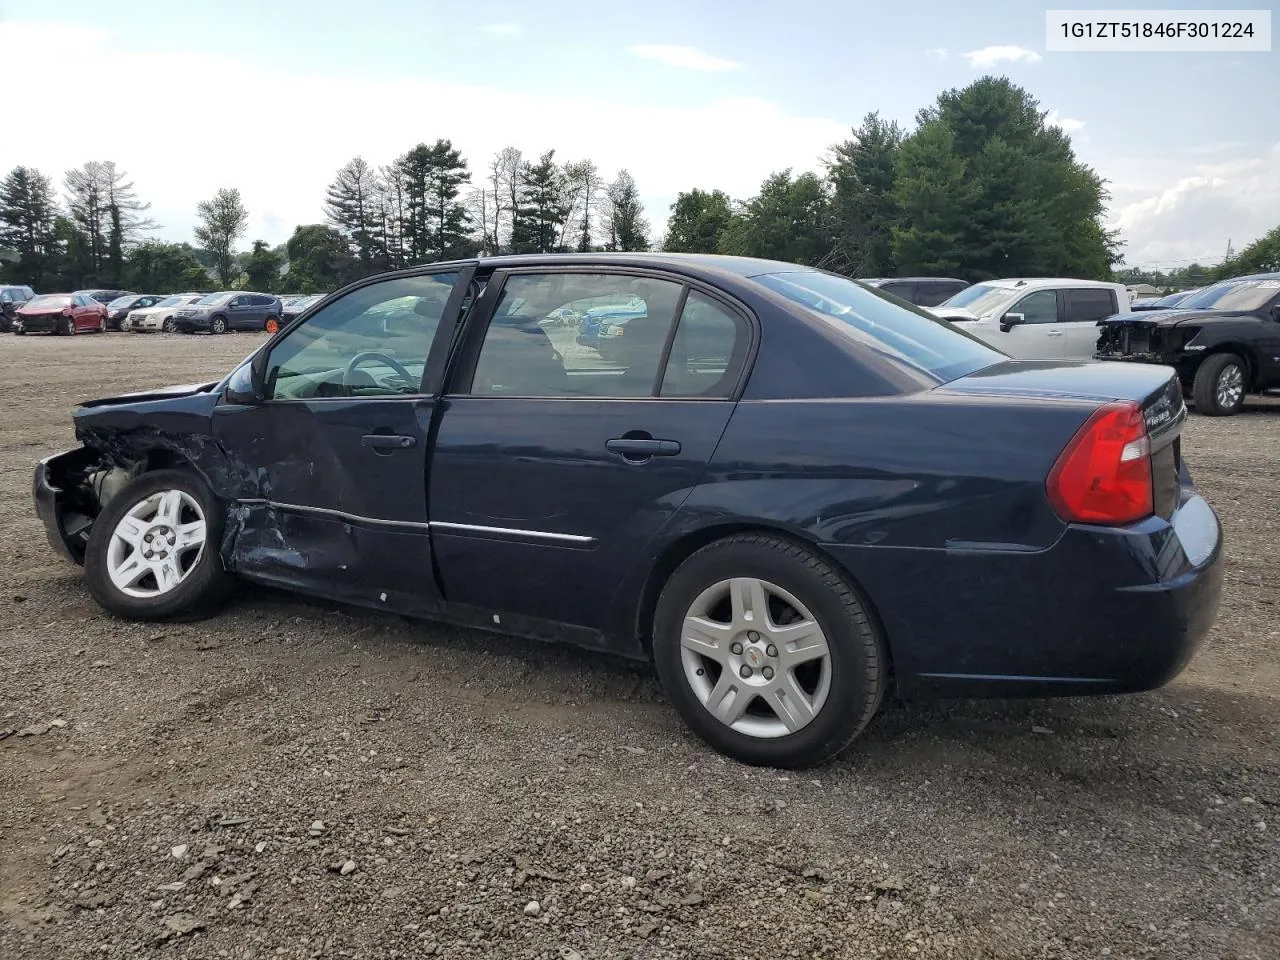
(1155, 388)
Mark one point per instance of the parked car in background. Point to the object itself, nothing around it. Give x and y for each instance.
(159, 317)
(120, 307)
(295, 306)
(788, 492)
(599, 324)
(65, 313)
(1172, 300)
(106, 296)
(1037, 319)
(229, 310)
(1224, 341)
(11, 298)
(922, 291)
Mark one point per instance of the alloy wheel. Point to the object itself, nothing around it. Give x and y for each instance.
(1230, 386)
(156, 544)
(755, 657)
(218, 325)
(167, 326)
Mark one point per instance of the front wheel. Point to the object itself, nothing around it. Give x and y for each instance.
(68, 326)
(218, 325)
(767, 652)
(153, 552)
(1219, 386)
(167, 325)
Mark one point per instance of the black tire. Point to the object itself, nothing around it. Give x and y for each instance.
(859, 660)
(218, 325)
(1204, 391)
(206, 584)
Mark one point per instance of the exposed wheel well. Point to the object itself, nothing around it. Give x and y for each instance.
(682, 549)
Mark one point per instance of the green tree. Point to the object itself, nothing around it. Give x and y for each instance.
(698, 219)
(447, 216)
(864, 210)
(222, 221)
(627, 228)
(541, 209)
(788, 220)
(1261, 256)
(986, 190)
(319, 260)
(156, 267)
(351, 206)
(28, 213)
(262, 267)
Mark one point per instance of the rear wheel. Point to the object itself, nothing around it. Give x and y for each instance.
(218, 325)
(153, 552)
(1219, 386)
(767, 652)
(272, 325)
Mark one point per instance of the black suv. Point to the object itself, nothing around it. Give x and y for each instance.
(922, 291)
(11, 298)
(1224, 341)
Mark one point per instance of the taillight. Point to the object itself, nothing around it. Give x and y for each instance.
(1104, 474)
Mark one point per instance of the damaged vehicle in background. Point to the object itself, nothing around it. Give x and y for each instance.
(63, 313)
(788, 491)
(1224, 341)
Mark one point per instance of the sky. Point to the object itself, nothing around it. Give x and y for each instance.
(272, 98)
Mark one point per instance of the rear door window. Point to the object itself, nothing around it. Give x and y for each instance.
(1089, 305)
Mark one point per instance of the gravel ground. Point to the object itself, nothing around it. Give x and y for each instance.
(291, 779)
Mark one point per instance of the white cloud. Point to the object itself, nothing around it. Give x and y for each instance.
(937, 53)
(732, 144)
(507, 28)
(1193, 217)
(686, 58)
(1055, 119)
(990, 56)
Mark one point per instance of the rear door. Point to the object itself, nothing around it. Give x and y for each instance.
(1082, 308)
(555, 464)
(333, 464)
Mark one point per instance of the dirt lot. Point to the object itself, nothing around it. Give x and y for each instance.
(295, 780)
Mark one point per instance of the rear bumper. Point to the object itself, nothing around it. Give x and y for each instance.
(1104, 610)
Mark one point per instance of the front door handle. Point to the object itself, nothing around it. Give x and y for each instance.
(387, 441)
(1054, 333)
(639, 449)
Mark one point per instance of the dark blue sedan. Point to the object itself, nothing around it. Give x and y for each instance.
(791, 492)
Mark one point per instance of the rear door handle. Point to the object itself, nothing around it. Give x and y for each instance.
(387, 441)
(637, 448)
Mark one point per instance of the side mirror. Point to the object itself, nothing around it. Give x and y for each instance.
(1011, 320)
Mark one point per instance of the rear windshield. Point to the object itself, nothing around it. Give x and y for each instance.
(885, 325)
(215, 299)
(49, 301)
(1233, 295)
(981, 298)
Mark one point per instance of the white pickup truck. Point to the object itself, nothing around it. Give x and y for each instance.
(1036, 319)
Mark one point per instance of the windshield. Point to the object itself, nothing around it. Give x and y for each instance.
(911, 336)
(214, 299)
(1233, 295)
(172, 301)
(981, 299)
(121, 302)
(50, 300)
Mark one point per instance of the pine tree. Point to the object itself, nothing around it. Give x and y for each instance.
(627, 228)
(540, 211)
(447, 217)
(105, 207)
(864, 211)
(351, 206)
(28, 213)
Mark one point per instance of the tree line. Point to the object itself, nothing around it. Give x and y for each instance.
(982, 187)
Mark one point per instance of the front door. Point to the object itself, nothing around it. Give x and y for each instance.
(557, 462)
(334, 462)
(1039, 336)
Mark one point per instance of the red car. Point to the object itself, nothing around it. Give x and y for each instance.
(67, 313)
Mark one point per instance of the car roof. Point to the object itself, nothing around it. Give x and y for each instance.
(739, 266)
(913, 280)
(1023, 283)
(1251, 276)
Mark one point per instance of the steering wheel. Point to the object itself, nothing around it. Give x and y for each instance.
(348, 375)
